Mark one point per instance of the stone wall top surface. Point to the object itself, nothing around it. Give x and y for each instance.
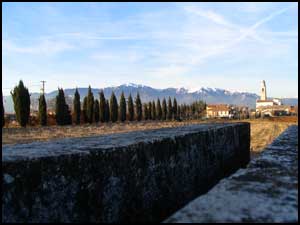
(84, 145)
(266, 191)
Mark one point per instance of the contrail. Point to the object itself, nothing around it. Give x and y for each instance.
(259, 23)
(247, 32)
(218, 19)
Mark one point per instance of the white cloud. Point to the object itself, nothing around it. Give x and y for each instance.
(45, 47)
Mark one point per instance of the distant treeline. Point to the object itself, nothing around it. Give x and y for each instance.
(103, 110)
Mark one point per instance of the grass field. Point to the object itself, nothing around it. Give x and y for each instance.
(263, 131)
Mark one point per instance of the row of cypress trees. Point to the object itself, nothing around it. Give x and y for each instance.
(104, 111)
(165, 111)
(95, 110)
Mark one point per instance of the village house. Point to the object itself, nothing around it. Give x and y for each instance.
(227, 111)
(219, 111)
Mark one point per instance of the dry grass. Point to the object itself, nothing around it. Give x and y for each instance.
(263, 131)
(30, 134)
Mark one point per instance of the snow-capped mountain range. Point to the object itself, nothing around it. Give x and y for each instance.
(183, 95)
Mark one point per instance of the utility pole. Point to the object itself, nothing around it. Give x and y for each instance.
(43, 88)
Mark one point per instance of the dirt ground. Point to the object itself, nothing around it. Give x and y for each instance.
(263, 131)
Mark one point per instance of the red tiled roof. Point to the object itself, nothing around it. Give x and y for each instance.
(220, 107)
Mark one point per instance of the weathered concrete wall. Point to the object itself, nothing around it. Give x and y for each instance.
(266, 191)
(137, 176)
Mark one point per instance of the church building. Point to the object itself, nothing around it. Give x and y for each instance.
(263, 101)
(271, 107)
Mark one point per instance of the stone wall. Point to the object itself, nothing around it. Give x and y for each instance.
(266, 191)
(138, 176)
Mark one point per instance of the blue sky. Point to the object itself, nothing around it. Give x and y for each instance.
(220, 45)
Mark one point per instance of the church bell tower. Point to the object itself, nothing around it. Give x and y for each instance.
(263, 95)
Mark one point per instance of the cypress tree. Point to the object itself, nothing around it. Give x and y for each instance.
(188, 112)
(175, 108)
(170, 109)
(138, 105)
(193, 108)
(84, 109)
(122, 112)
(3, 119)
(76, 107)
(164, 109)
(179, 112)
(96, 111)
(67, 115)
(130, 109)
(21, 99)
(63, 116)
(102, 107)
(42, 111)
(183, 111)
(158, 110)
(146, 111)
(59, 108)
(107, 111)
(90, 106)
(150, 110)
(153, 111)
(113, 108)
